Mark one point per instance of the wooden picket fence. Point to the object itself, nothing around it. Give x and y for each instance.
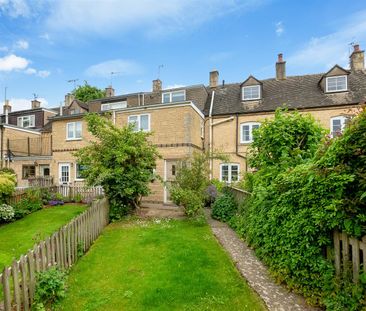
(239, 194)
(61, 250)
(87, 194)
(349, 255)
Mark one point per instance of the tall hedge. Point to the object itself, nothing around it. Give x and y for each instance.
(300, 195)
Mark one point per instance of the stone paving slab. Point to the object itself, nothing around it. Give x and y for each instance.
(276, 297)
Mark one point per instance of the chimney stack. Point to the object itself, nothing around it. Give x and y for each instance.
(214, 78)
(157, 85)
(357, 59)
(36, 104)
(280, 68)
(68, 99)
(109, 91)
(7, 110)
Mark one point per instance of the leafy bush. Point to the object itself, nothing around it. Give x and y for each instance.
(6, 213)
(121, 160)
(298, 199)
(189, 199)
(219, 185)
(225, 207)
(50, 288)
(7, 186)
(192, 180)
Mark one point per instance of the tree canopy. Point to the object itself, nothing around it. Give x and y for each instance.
(121, 160)
(87, 92)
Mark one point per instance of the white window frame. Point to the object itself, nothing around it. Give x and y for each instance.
(76, 173)
(343, 120)
(138, 116)
(171, 96)
(74, 131)
(109, 106)
(230, 165)
(338, 90)
(251, 86)
(250, 124)
(30, 118)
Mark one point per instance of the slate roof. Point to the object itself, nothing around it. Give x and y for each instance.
(296, 92)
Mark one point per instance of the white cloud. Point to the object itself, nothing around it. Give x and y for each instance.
(15, 8)
(279, 29)
(12, 62)
(24, 103)
(21, 45)
(117, 66)
(155, 17)
(38, 73)
(173, 86)
(328, 50)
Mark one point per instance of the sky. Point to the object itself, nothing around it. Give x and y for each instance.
(46, 44)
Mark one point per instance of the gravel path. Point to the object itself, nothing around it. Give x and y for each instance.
(275, 296)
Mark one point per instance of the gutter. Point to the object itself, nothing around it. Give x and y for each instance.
(211, 133)
(237, 144)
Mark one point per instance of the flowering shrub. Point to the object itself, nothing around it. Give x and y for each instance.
(6, 213)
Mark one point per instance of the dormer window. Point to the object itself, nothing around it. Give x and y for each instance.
(115, 105)
(26, 121)
(175, 96)
(251, 92)
(336, 84)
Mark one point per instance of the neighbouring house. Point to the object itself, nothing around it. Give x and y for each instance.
(217, 117)
(25, 141)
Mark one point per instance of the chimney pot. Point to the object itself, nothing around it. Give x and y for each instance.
(357, 59)
(214, 78)
(157, 85)
(109, 91)
(280, 68)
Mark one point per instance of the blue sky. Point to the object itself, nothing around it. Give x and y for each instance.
(43, 44)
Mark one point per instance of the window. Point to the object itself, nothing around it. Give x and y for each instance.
(229, 172)
(116, 105)
(73, 130)
(172, 97)
(336, 84)
(75, 111)
(28, 171)
(26, 121)
(79, 171)
(246, 131)
(337, 125)
(251, 92)
(141, 122)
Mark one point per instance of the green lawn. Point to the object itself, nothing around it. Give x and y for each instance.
(157, 265)
(17, 237)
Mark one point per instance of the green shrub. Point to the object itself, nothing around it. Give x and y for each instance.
(50, 288)
(189, 199)
(78, 198)
(224, 208)
(299, 196)
(6, 213)
(7, 186)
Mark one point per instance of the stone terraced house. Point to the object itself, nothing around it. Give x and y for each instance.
(184, 120)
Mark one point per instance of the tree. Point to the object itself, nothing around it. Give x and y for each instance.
(121, 160)
(289, 139)
(87, 92)
(7, 184)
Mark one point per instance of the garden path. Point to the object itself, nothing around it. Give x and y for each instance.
(276, 297)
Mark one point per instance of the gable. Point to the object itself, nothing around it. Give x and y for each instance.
(251, 81)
